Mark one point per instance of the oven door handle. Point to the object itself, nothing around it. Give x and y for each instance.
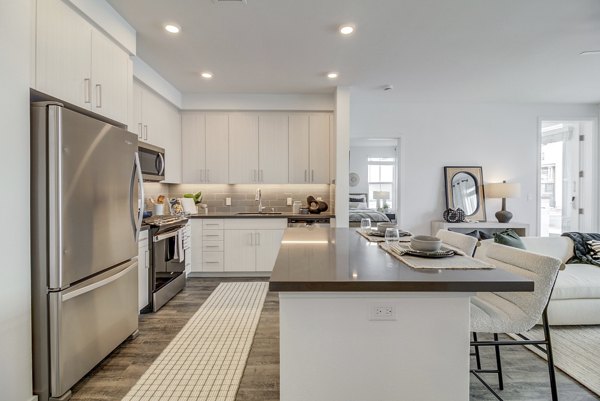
(166, 235)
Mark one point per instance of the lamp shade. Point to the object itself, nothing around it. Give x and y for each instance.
(381, 195)
(502, 190)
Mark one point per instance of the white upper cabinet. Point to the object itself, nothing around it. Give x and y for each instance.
(110, 78)
(78, 64)
(319, 128)
(63, 53)
(243, 148)
(299, 149)
(256, 147)
(309, 141)
(273, 148)
(217, 148)
(193, 137)
(158, 122)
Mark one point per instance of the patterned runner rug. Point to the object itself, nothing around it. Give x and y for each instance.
(206, 360)
(576, 352)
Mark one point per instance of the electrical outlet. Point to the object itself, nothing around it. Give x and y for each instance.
(227, 201)
(289, 202)
(382, 312)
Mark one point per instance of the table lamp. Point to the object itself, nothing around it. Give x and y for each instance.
(379, 196)
(503, 190)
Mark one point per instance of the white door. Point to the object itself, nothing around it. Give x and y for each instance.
(273, 148)
(268, 243)
(243, 148)
(298, 148)
(63, 53)
(240, 250)
(110, 65)
(172, 143)
(319, 148)
(137, 123)
(151, 118)
(567, 177)
(193, 147)
(217, 148)
(196, 241)
(143, 273)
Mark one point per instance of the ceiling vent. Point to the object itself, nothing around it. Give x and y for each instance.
(230, 1)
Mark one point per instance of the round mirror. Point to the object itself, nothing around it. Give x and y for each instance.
(464, 192)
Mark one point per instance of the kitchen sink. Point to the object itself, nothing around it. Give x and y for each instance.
(259, 213)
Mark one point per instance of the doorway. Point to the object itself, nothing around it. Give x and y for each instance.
(375, 171)
(566, 176)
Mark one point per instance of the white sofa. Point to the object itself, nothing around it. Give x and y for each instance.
(576, 296)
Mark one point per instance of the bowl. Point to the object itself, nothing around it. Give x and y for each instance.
(425, 243)
(381, 227)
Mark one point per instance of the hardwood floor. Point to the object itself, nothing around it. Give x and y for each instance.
(526, 377)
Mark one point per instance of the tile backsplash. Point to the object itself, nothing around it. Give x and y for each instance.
(242, 196)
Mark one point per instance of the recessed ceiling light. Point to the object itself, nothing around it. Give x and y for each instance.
(590, 53)
(207, 75)
(346, 29)
(172, 28)
(332, 75)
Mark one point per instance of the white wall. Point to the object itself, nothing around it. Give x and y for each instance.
(503, 138)
(15, 313)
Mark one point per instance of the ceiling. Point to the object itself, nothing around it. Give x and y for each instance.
(429, 50)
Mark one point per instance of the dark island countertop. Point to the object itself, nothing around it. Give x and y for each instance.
(334, 260)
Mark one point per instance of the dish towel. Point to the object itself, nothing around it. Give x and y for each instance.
(179, 252)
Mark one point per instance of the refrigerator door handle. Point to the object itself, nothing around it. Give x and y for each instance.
(138, 170)
(91, 287)
(55, 226)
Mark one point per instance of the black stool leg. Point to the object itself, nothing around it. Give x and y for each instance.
(551, 371)
(477, 358)
(498, 364)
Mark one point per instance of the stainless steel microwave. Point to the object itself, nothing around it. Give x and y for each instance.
(152, 161)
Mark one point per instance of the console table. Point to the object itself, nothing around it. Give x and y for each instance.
(488, 227)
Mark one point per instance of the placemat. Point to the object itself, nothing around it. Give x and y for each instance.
(452, 262)
(374, 238)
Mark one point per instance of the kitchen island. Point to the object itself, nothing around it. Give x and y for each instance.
(356, 324)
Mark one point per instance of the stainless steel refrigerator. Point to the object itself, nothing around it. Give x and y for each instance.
(85, 183)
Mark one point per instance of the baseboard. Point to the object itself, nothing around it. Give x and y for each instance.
(230, 274)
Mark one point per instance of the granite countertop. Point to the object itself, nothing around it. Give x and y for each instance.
(283, 215)
(324, 259)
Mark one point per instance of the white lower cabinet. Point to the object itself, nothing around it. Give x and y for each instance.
(252, 245)
(240, 251)
(235, 245)
(143, 270)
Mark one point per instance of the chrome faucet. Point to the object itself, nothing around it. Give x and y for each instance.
(258, 198)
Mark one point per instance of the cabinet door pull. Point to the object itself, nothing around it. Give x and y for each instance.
(145, 132)
(141, 129)
(305, 175)
(312, 176)
(87, 89)
(251, 239)
(98, 96)
(261, 175)
(254, 175)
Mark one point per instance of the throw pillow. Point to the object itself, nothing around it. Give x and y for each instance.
(509, 237)
(594, 248)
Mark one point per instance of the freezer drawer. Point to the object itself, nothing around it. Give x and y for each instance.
(88, 321)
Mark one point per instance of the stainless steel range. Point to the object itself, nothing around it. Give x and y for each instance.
(167, 272)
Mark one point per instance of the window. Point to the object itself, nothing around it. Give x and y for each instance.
(382, 171)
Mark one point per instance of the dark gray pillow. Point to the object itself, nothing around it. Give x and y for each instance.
(509, 237)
